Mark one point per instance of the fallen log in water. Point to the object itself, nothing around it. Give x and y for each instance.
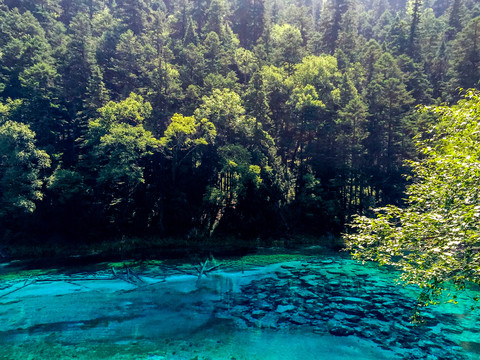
(204, 270)
(26, 283)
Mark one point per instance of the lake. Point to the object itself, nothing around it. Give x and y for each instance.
(271, 304)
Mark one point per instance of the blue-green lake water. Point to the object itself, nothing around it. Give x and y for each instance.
(270, 305)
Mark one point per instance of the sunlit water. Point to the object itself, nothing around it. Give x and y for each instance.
(260, 307)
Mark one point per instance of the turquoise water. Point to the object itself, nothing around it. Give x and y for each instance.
(280, 306)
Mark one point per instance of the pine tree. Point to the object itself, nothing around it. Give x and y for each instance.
(133, 13)
(190, 36)
(249, 21)
(348, 39)
(388, 101)
(330, 23)
(256, 103)
(216, 16)
(350, 137)
(80, 58)
(465, 60)
(455, 19)
(128, 65)
(413, 45)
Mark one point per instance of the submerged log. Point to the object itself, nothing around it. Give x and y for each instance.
(25, 284)
(204, 270)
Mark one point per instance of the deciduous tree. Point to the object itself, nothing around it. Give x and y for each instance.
(434, 240)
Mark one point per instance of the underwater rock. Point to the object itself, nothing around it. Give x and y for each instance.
(270, 320)
(353, 310)
(240, 323)
(249, 320)
(283, 274)
(426, 344)
(310, 280)
(262, 296)
(429, 319)
(257, 314)
(453, 329)
(282, 283)
(306, 294)
(313, 309)
(390, 304)
(239, 310)
(354, 300)
(298, 319)
(263, 305)
(284, 308)
(342, 305)
(334, 283)
(337, 329)
(337, 272)
(347, 317)
(367, 334)
(327, 261)
(379, 315)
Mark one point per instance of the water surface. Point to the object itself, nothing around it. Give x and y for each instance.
(298, 305)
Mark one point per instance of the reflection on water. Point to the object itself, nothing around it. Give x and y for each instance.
(304, 307)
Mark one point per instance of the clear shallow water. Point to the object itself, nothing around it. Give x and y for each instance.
(258, 307)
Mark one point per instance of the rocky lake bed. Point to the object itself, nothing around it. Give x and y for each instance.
(288, 306)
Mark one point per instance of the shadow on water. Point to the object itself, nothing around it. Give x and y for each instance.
(76, 262)
(51, 327)
(194, 253)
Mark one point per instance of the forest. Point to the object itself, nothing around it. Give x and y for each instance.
(228, 118)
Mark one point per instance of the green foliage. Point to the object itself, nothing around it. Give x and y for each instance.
(8, 109)
(388, 141)
(21, 164)
(225, 110)
(316, 70)
(40, 80)
(313, 103)
(133, 111)
(117, 143)
(69, 185)
(236, 174)
(287, 44)
(434, 240)
(218, 81)
(183, 135)
(216, 18)
(23, 44)
(128, 64)
(124, 145)
(246, 61)
(305, 98)
(185, 132)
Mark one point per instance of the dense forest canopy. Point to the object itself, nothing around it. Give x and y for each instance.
(230, 117)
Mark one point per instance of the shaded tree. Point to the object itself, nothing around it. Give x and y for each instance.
(330, 23)
(21, 166)
(388, 101)
(465, 61)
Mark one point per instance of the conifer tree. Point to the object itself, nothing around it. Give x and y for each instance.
(465, 60)
(330, 24)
